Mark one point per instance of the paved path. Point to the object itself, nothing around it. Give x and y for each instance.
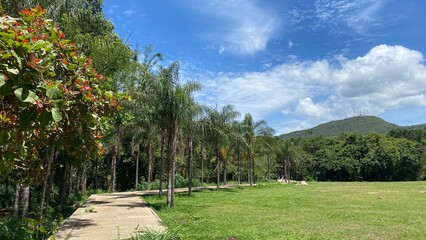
(114, 216)
(109, 216)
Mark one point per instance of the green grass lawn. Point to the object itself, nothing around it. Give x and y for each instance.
(354, 210)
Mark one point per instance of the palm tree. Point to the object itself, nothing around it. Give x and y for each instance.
(285, 156)
(251, 131)
(142, 84)
(191, 125)
(202, 129)
(237, 136)
(220, 127)
(175, 101)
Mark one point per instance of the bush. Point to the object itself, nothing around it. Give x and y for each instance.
(180, 182)
(27, 229)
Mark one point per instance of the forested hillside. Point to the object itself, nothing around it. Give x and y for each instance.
(360, 124)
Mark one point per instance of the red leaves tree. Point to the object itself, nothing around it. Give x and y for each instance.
(50, 94)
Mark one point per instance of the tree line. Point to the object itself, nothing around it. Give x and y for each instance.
(397, 156)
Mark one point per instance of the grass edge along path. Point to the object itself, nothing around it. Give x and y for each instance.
(351, 210)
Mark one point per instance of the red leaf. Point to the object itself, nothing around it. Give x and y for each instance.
(26, 12)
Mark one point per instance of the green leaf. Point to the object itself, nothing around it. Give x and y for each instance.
(27, 116)
(25, 95)
(4, 86)
(17, 58)
(6, 55)
(45, 118)
(13, 70)
(56, 114)
(52, 92)
(58, 103)
(4, 138)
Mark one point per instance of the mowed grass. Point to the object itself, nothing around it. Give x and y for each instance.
(356, 210)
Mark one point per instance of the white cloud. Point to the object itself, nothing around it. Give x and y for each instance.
(242, 27)
(128, 12)
(387, 77)
(307, 107)
(290, 44)
(341, 15)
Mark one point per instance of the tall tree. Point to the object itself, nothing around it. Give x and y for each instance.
(175, 101)
(220, 127)
(251, 131)
(44, 82)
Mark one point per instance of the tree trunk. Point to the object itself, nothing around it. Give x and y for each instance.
(49, 160)
(172, 164)
(268, 163)
(84, 178)
(163, 133)
(70, 181)
(149, 150)
(252, 170)
(224, 171)
(137, 169)
(96, 174)
(190, 172)
(64, 184)
(202, 162)
(285, 170)
(239, 165)
(52, 178)
(6, 182)
(218, 166)
(25, 201)
(16, 203)
(111, 187)
(250, 167)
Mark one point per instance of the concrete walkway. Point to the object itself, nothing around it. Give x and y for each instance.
(109, 216)
(115, 216)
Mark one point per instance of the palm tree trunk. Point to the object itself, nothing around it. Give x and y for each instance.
(224, 171)
(285, 170)
(172, 164)
(218, 166)
(113, 169)
(16, 203)
(202, 162)
(160, 191)
(253, 176)
(268, 163)
(250, 168)
(149, 150)
(25, 200)
(137, 169)
(190, 149)
(239, 164)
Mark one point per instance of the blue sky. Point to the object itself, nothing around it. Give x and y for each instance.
(294, 63)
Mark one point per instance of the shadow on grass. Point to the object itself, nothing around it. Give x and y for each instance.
(158, 206)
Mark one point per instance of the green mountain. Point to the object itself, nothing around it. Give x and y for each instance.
(360, 124)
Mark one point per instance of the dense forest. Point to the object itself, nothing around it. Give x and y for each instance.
(81, 111)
